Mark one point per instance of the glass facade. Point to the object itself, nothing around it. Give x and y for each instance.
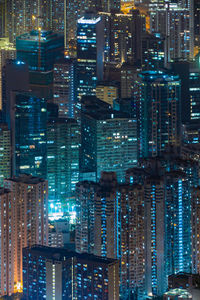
(40, 49)
(30, 135)
(157, 96)
(63, 141)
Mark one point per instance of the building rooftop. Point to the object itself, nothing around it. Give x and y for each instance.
(158, 76)
(62, 254)
(34, 35)
(27, 179)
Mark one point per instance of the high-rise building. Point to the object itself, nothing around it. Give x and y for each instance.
(28, 125)
(194, 92)
(15, 76)
(64, 85)
(195, 227)
(5, 152)
(40, 49)
(107, 91)
(24, 222)
(127, 80)
(123, 34)
(113, 5)
(153, 51)
(197, 18)
(168, 184)
(110, 223)
(90, 47)
(7, 51)
(175, 22)
(25, 15)
(108, 142)
(62, 274)
(63, 141)
(155, 277)
(157, 97)
(7, 242)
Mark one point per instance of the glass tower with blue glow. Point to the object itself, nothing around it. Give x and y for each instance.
(89, 53)
(63, 138)
(157, 97)
(29, 138)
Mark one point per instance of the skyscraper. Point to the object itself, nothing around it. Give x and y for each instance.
(15, 77)
(7, 51)
(90, 47)
(29, 142)
(157, 96)
(101, 132)
(40, 49)
(175, 22)
(24, 220)
(63, 141)
(64, 85)
(62, 274)
(110, 223)
(107, 91)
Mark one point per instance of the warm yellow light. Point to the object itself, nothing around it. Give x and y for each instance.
(18, 287)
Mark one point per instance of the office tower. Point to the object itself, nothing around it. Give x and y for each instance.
(15, 76)
(127, 79)
(5, 152)
(153, 51)
(123, 36)
(63, 141)
(108, 142)
(182, 69)
(25, 218)
(157, 96)
(175, 21)
(64, 86)
(107, 91)
(90, 44)
(62, 274)
(75, 10)
(102, 212)
(28, 125)
(40, 49)
(7, 51)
